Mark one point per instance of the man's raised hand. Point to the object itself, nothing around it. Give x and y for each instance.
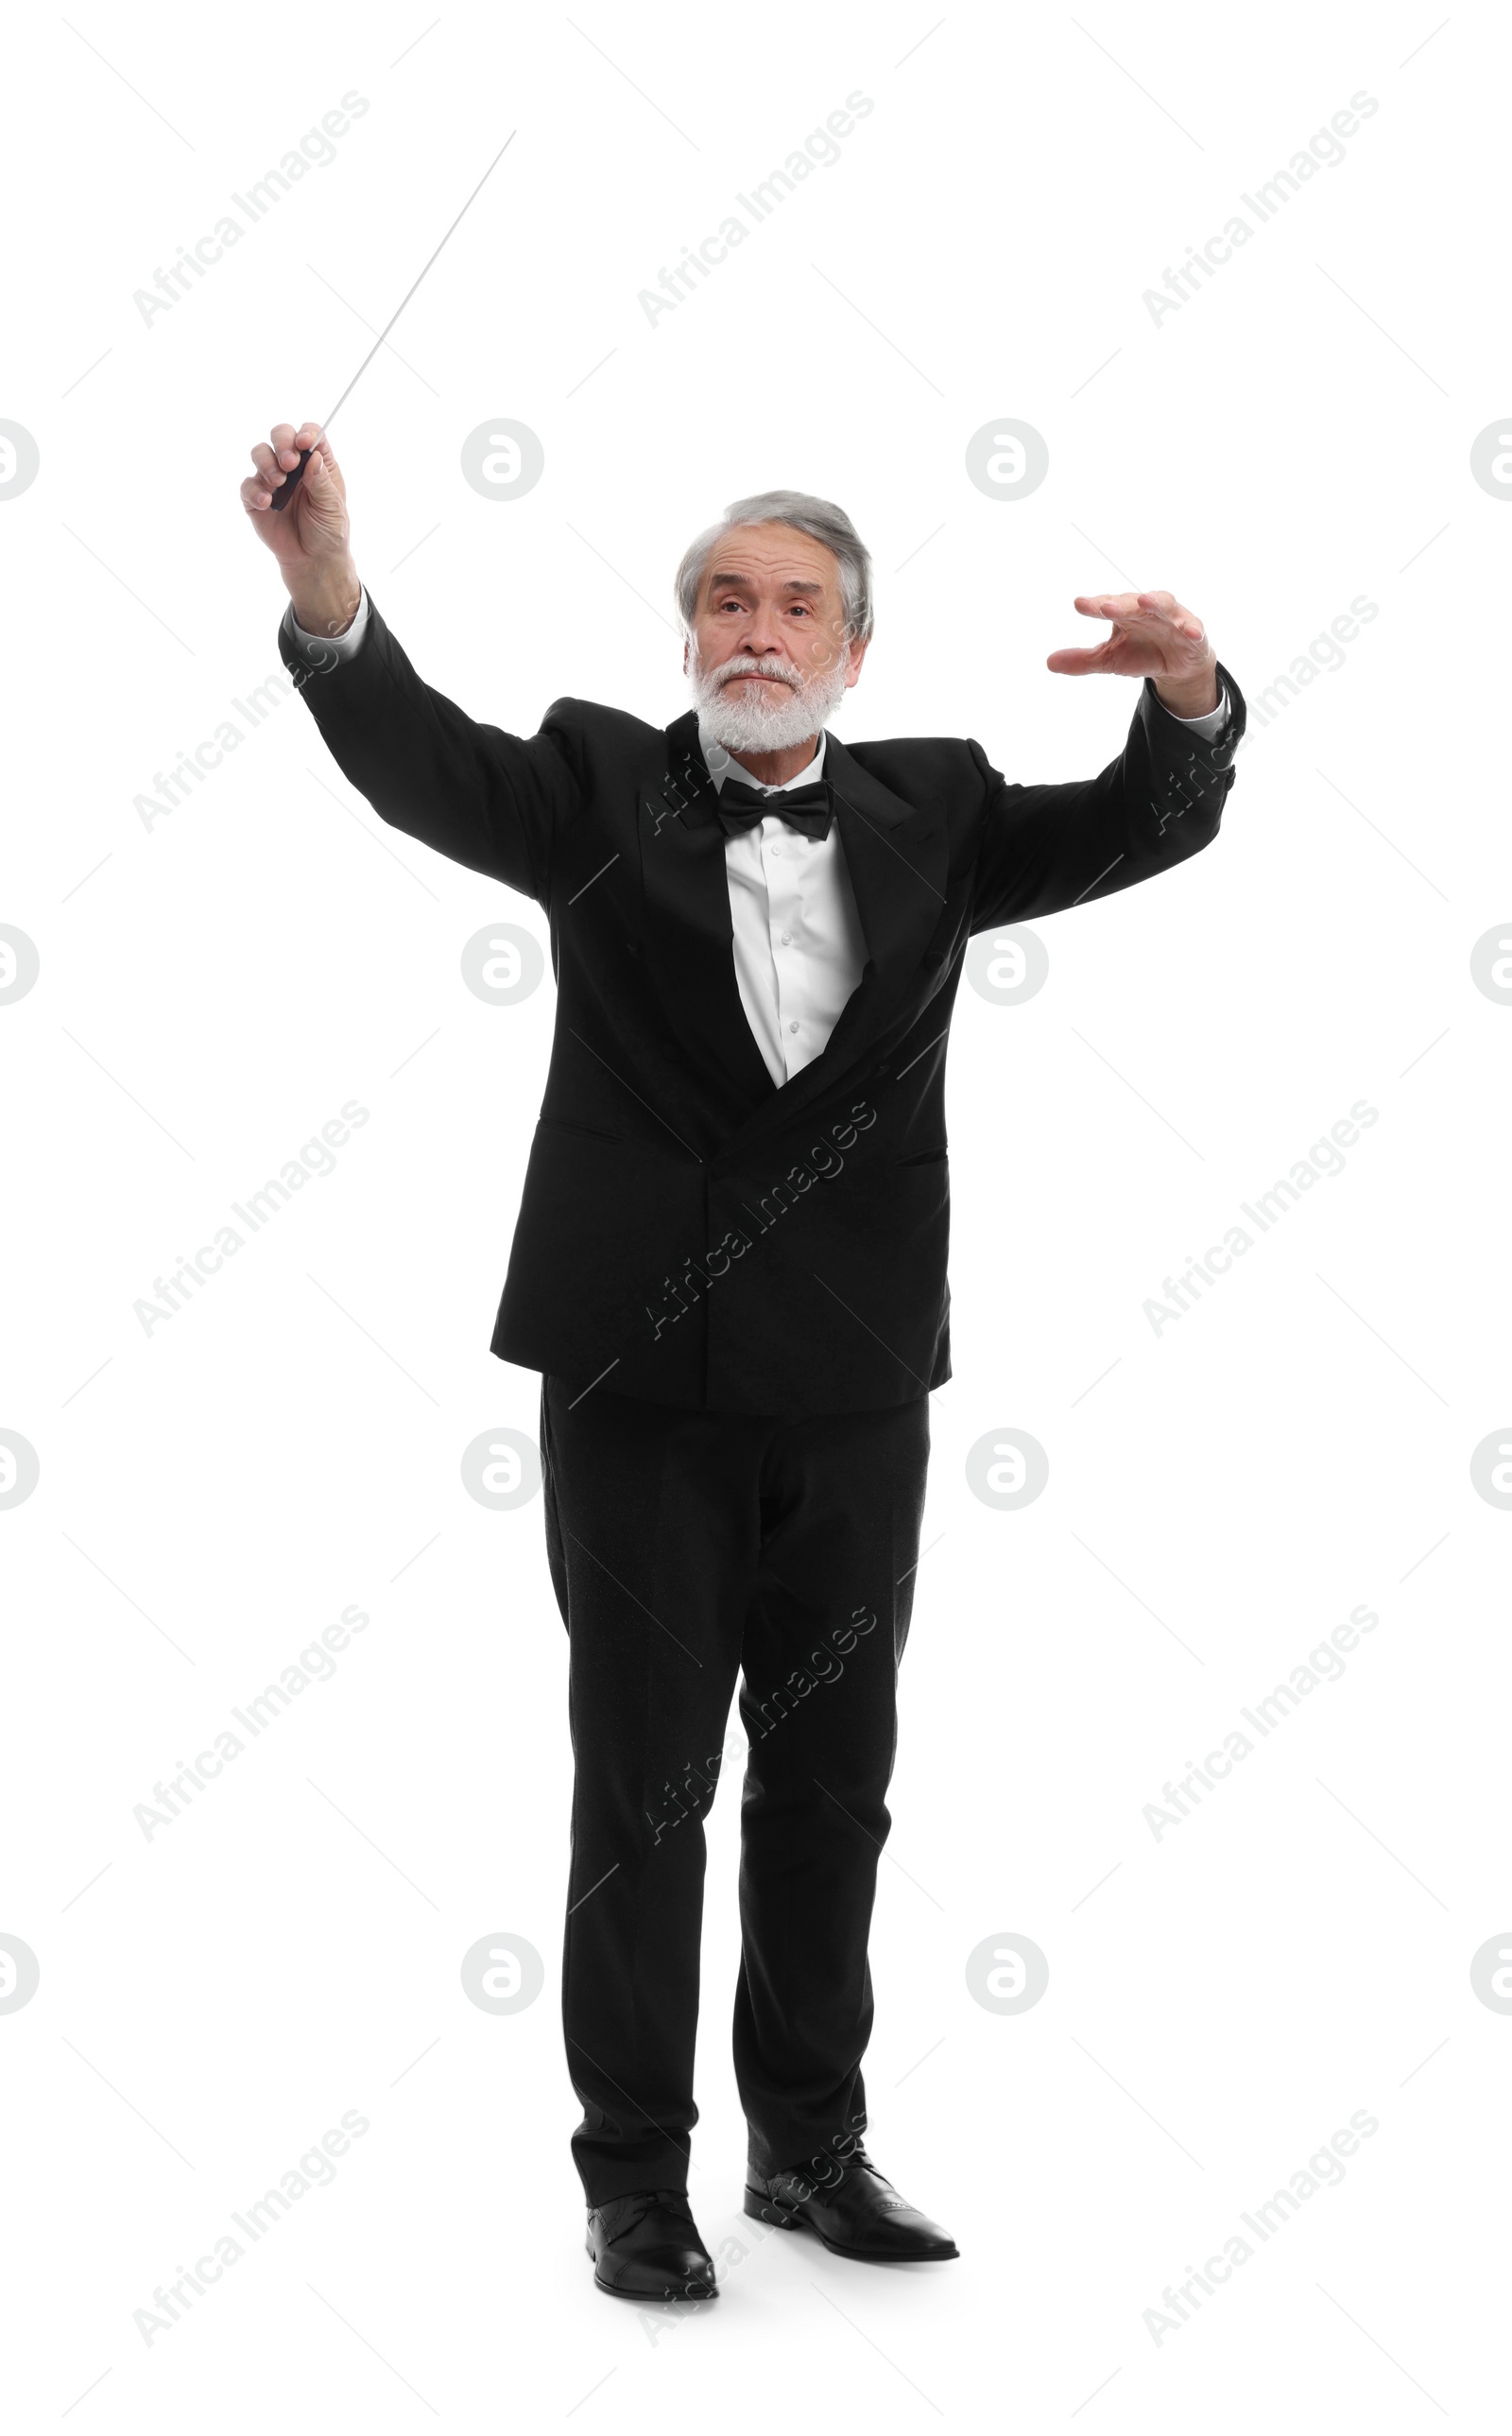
(1151, 635)
(311, 538)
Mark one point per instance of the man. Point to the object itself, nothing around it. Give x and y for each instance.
(729, 1268)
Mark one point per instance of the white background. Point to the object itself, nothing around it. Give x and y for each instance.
(214, 986)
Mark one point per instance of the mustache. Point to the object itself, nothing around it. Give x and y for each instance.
(755, 668)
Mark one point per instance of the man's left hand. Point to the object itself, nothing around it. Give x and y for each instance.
(1152, 636)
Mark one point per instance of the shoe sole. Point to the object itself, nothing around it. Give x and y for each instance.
(768, 2212)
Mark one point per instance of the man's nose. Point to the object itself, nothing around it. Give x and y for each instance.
(762, 642)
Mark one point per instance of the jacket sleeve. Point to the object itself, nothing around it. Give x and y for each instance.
(487, 799)
(1044, 848)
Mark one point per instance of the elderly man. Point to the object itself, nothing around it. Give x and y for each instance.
(729, 1266)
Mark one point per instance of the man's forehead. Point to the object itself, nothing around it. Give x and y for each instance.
(774, 551)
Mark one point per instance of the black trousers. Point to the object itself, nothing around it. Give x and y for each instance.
(686, 1548)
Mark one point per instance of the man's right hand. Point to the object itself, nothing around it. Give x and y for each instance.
(311, 537)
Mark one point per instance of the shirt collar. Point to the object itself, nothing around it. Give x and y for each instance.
(731, 764)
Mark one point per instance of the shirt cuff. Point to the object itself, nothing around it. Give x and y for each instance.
(1206, 725)
(319, 649)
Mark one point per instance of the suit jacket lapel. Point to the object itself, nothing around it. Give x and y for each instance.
(898, 858)
(691, 954)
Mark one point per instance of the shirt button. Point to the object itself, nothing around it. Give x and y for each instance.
(777, 849)
(787, 938)
(792, 1027)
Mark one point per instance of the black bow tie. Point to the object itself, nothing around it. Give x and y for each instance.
(810, 808)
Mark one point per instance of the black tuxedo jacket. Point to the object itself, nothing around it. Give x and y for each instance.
(689, 1231)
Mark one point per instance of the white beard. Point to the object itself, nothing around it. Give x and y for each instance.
(760, 719)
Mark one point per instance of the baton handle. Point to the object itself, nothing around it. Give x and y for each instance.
(287, 489)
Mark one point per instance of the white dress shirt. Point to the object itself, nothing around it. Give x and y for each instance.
(799, 946)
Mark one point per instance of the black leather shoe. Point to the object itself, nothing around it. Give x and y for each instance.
(646, 2247)
(859, 2217)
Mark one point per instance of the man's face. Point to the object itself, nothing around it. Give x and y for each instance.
(768, 660)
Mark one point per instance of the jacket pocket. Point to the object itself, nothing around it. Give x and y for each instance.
(922, 1158)
(561, 1125)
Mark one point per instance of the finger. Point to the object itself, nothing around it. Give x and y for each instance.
(282, 436)
(255, 494)
(1163, 608)
(265, 463)
(1074, 662)
(1146, 608)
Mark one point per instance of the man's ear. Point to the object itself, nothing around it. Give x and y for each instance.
(857, 654)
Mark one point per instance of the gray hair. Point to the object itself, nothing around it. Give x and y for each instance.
(821, 519)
